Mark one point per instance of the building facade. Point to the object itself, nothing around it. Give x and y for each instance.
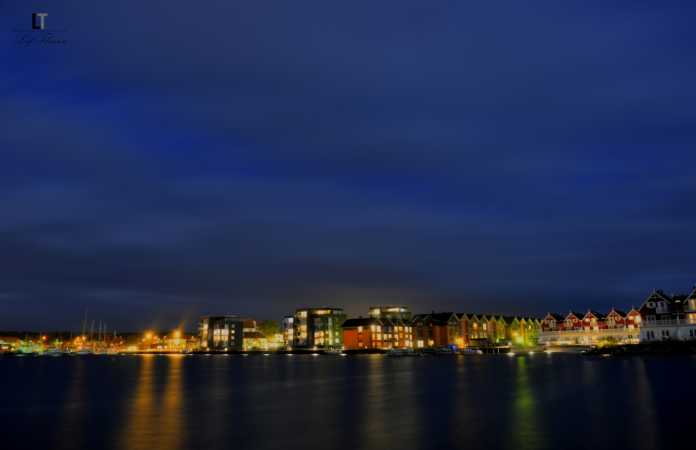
(221, 333)
(288, 330)
(591, 328)
(668, 317)
(377, 334)
(318, 328)
(435, 330)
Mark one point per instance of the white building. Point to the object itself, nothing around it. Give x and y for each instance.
(668, 317)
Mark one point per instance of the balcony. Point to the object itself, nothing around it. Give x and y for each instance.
(668, 322)
(589, 336)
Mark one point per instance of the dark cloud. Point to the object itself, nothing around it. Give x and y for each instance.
(226, 158)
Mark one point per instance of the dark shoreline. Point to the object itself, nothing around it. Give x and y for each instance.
(646, 348)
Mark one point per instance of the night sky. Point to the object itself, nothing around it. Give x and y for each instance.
(183, 158)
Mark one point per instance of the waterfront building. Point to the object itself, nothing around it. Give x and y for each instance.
(363, 333)
(318, 328)
(573, 321)
(477, 332)
(488, 323)
(253, 338)
(531, 331)
(615, 319)
(489, 330)
(288, 331)
(464, 329)
(373, 333)
(435, 330)
(276, 341)
(520, 331)
(591, 328)
(221, 333)
(495, 330)
(633, 319)
(500, 330)
(512, 327)
(397, 312)
(592, 320)
(668, 317)
(552, 322)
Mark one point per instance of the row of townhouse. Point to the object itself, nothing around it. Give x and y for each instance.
(591, 328)
(438, 330)
(660, 317)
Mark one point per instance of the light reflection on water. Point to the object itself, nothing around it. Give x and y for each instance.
(72, 416)
(366, 402)
(152, 420)
(526, 426)
(643, 412)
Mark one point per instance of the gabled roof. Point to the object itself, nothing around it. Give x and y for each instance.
(576, 314)
(692, 296)
(469, 316)
(657, 295)
(675, 303)
(595, 314)
(554, 316)
(617, 311)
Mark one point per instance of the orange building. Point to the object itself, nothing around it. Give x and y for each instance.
(371, 334)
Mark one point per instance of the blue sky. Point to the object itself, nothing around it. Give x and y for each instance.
(236, 157)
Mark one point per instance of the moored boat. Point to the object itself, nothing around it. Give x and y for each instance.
(401, 352)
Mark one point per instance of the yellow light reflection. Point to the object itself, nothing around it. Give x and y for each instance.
(150, 425)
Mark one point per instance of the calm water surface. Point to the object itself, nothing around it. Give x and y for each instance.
(360, 402)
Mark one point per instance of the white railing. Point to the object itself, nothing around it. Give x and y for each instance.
(588, 337)
(665, 322)
(605, 331)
